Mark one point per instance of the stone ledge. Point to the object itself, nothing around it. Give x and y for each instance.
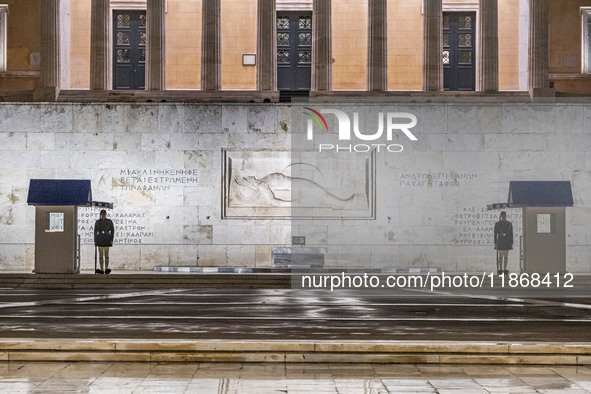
(287, 270)
(568, 76)
(170, 96)
(217, 270)
(438, 352)
(393, 96)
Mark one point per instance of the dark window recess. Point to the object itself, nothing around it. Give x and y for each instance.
(129, 49)
(459, 51)
(294, 53)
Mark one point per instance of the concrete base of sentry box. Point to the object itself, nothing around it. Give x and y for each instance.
(271, 351)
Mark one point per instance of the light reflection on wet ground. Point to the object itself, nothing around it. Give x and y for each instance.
(274, 314)
(270, 314)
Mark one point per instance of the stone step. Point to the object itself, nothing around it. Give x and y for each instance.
(145, 281)
(272, 279)
(291, 351)
(286, 269)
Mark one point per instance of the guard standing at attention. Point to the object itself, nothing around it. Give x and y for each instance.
(503, 242)
(104, 233)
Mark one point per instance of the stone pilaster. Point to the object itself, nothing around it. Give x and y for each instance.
(433, 45)
(266, 45)
(377, 55)
(100, 56)
(156, 45)
(49, 80)
(488, 79)
(322, 46)
(538, 48)
(65, 40)
(211, 58)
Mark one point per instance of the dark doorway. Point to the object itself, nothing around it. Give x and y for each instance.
(129, 49)
(459, 50)
(294, 53)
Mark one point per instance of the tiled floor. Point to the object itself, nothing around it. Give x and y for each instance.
(87, 377)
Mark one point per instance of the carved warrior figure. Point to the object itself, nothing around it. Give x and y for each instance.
(275, 189)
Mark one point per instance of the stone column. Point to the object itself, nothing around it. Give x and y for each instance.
(155, 45)
(321, 46)
(538, 48)
(488, 59)
(211, 57)
(266, 45)
(64, 45)
(433, 45)
(100, 56)
(49, 80)
(377, 55)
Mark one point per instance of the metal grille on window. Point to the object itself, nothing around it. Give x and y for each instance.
(305, 38)
(283, 23)
(122, 38)
(446, 22)
(445, 57)
(142, 55)
(282, 38)
(143, 20)
(465, 39)
(123, 20)
(465, 22)
(282, 56)
(305, 56)
(305, 22)
(446, 39)
(122, 55)
(465, 56)
(143, 38)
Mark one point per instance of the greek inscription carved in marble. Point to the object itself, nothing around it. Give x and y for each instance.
(436, 179)
(475, 225)
(154, 178)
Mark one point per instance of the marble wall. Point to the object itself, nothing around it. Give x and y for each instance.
(163, 167)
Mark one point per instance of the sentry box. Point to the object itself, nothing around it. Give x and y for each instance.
(543, 245)
(56, 201)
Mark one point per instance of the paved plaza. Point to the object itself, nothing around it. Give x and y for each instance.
(280, 319)
(242, 378)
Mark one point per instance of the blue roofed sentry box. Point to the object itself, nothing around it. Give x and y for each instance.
(540, 194)
(60, 192)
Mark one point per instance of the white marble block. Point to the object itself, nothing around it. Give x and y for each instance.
(222, 184)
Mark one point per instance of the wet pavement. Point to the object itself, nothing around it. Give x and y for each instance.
(244, 378)
(277, 314)
(274, 314)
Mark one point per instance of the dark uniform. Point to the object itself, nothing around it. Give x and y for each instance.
(503, 243)
(104, 232)
(503, 235)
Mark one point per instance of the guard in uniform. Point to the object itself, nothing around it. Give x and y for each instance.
(503, 242)
(104, 233)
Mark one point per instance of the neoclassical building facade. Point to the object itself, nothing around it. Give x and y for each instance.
(243, 50)
(177, 113)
